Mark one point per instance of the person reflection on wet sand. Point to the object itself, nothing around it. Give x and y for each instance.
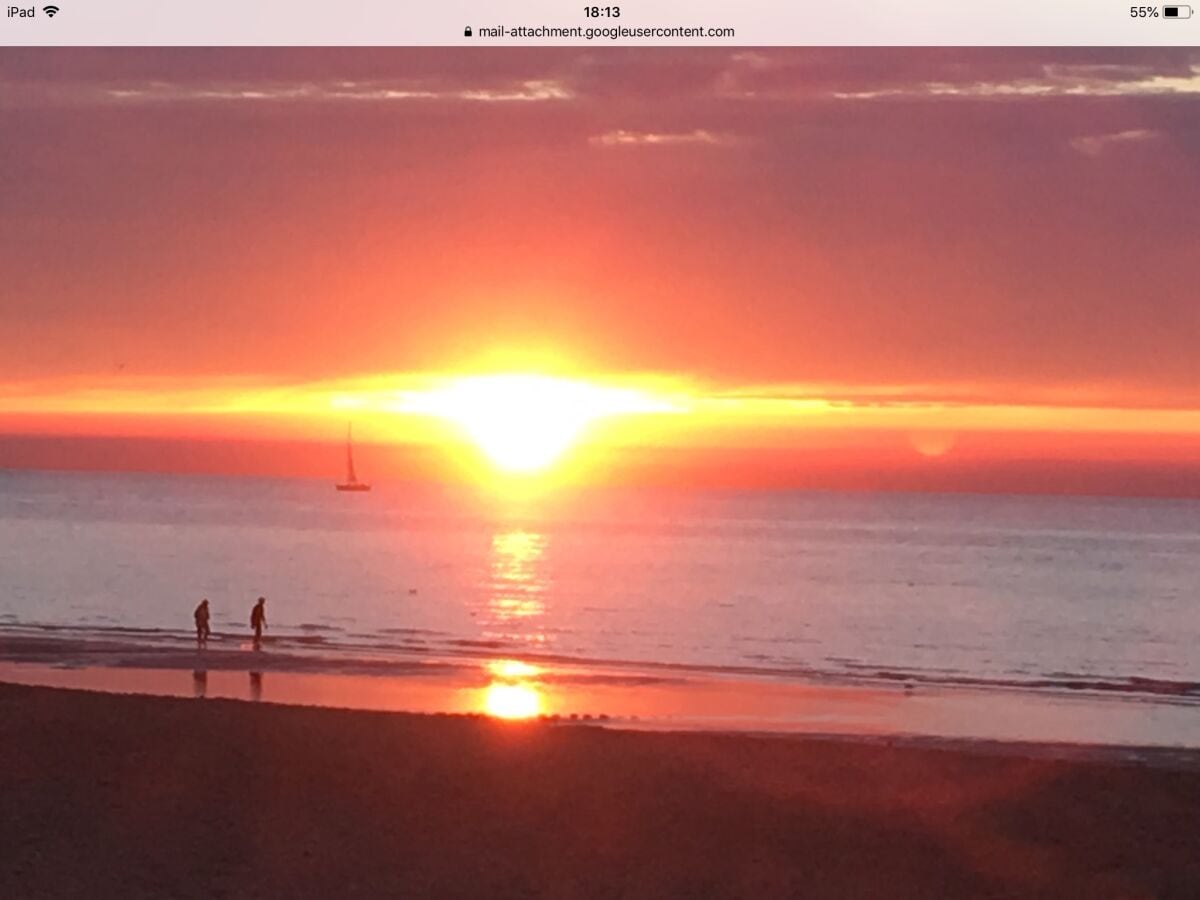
(256, 686)
(199, 683)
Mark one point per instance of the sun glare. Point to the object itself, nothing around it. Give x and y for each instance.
(525, 423)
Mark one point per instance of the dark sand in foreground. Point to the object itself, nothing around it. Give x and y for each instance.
(130, 797)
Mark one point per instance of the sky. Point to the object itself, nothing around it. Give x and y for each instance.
(928, 257)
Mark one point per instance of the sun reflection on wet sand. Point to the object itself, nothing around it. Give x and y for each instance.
(512, 701)
(514, 692)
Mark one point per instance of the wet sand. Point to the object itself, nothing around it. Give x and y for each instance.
(129, 796)
(643, 698)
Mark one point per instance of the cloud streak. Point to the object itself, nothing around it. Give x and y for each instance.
(344, 91)
(250, 92)
(750, 76)
(1097, 144)
(1055, 81)
(699, 137)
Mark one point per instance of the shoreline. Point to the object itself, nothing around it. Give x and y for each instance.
(306, 649)
(133, 796)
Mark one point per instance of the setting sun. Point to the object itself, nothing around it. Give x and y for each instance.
(525, 423)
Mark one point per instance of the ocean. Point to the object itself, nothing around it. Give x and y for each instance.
(1072, 593)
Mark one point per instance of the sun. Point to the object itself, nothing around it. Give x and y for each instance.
(525, 423)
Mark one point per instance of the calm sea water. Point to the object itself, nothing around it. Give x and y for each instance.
(1027, 590)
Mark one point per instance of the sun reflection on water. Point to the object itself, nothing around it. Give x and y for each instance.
(517, 582)
(512, 668)
(514, 612)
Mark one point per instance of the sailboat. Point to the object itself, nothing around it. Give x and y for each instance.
(351, 483)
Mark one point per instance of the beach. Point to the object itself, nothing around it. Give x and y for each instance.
(135, 796)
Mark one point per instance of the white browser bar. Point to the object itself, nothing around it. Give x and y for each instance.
(555, 22)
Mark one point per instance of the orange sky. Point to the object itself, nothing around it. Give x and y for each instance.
(969, 258)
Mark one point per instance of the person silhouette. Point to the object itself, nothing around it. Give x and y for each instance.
(202, 629)
(258, 620)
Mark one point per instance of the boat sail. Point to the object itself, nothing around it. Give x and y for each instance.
(351, 483)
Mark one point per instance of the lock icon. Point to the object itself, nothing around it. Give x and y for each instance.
(467, 31)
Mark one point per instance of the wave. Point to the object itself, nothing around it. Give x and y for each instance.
(1131, 684)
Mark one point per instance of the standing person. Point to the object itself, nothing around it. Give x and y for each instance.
(258, 620)
(202, 629)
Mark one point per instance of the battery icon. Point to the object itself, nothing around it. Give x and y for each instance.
(1177, 12)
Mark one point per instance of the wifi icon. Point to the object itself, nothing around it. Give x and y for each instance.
(51, 11)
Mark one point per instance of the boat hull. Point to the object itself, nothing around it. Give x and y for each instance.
(356, 487)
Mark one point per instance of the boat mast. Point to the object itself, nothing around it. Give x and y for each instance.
(350, 476)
